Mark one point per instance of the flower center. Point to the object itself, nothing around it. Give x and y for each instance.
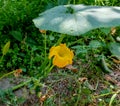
(61, 54)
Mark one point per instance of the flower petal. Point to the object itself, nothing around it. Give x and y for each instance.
(53, 51)
(61, 62)
(62, 55)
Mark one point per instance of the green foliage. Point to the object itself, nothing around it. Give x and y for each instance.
(9, 98)
(16, 25)
(29, 51)
(115, 49)
(17, 35)
(6, 48)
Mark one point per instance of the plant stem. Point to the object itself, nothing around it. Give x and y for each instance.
(72, 43)
(7, 74)
(112, 39)
(73, 1)
(22, 84)
(43, 65)
(45, 45)
(106, 94)
(50, 68)
(60, 39)
(79, 92)
(45, 70)
(31, 59)
(1, 58)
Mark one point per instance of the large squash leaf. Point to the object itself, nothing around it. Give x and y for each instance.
(77, 19)
(115, 49)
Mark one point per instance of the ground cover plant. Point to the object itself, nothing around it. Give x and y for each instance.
(44, 68)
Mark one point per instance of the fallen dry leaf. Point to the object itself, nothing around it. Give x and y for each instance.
(113, 30)
(43, 98)
(43, 31)
(17, 72)
(116, 61)
(110, 79)
(83, 79)
(70, 67)
(118, 84)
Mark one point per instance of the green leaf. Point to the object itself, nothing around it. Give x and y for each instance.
(17, 35)
(115, 49)
(6, 48)
(62, 2)
(80, 49)
(106, 30)
(95, 44)
(105, 65)
(51, 38)
(78, 19)
(31, 42)
(112, 98)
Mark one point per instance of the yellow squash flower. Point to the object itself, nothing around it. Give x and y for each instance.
(62, 55)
